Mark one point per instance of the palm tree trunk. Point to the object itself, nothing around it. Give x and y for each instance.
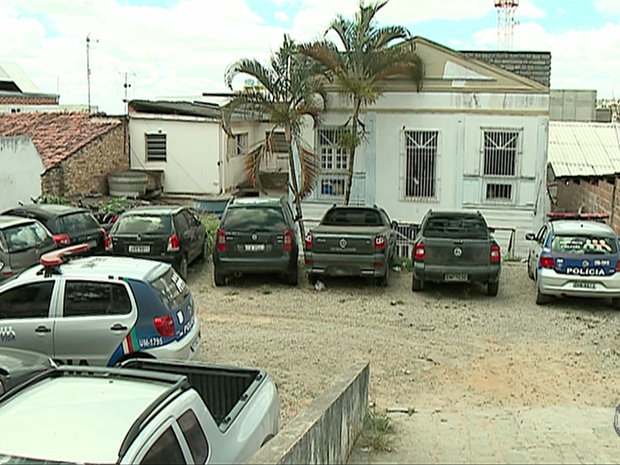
(295, 184)
(352, 149)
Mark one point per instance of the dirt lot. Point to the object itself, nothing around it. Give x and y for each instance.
(450, 347)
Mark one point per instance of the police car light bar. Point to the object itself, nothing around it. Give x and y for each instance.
(57, 257)
(577, 216)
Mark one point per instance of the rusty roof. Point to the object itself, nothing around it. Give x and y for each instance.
(585, 149)
(56, 136)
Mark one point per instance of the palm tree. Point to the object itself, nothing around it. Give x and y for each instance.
(367, 56)
(288, 90)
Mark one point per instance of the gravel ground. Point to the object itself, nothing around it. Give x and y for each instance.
(450, 347)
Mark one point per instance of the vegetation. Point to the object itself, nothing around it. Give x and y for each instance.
(364, 57)
(377, 432)
(289, 90)
(212, 223)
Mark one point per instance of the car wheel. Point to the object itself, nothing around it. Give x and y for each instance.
(417, 284)
(492, 288)
(219, 279)
(292, 277)
(530, 273)
(541, 299)
(385, 280)
(183, 267)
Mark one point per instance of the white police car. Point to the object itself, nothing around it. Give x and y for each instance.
(98, 310)
(575, 255)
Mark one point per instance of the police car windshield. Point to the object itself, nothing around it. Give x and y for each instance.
(583, 245)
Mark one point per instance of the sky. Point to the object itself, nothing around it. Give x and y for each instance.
(181, 48)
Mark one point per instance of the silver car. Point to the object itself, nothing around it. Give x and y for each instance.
(22, 242)
(575, 258)
(98, 310)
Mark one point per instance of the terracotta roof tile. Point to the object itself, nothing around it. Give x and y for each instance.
(56, 136)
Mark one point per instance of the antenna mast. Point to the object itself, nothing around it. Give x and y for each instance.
(88, 41)
(505, 22)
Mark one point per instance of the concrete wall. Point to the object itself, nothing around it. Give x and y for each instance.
(23, 180)
(602, 196)
(572, 105)
(326, 431)
(87, 169)
(193, 146)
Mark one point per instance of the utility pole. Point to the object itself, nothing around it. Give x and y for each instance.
(88, 41)
(126, 87)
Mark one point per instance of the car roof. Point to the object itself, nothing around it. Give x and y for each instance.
(155, 210)
(74, 418)
(256, 201)
(580, 227)
(7, 221)
(50, 210)
(104, 267)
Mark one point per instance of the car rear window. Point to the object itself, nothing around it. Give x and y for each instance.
(352, 217)
(76, 223)
(171, 289)
(24, 237)
(143, 224)
(254, 219)
(583, 244)
(470, 227)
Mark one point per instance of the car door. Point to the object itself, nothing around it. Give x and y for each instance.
(96, 318)
(537, 247)
(194, 233)
(27, 316)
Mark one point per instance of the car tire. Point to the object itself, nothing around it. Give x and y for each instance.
(541, 299)
(384, 281)
(183, 265)
(530, 273)
(219, 279)
(492, 288)
(417, 284)
(292, 277)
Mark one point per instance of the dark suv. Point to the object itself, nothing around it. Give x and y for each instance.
(168, 233)
(69, 225)
(256, 235)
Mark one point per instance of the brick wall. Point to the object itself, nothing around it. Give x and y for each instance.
(532, 65)
(14, 99)
(594, 196)
(87, 169)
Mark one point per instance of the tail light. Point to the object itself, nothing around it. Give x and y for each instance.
(108, 243)
(618, 265)
(288, 240)
(173, 243)
(62, 239)
(221, 240)
(309, 241)
(547, 262)
(496, 255)
(380, 242)
(419, 252)
(164, 325)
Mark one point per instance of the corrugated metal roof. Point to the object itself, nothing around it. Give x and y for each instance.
(11, 72)
(584, 149)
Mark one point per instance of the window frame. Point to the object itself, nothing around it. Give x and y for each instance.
(50, 305)
(500, 179)
(338, 176)
(241, 144)
(128, 293)
(436, 159)
(202, 431)
(155, 158)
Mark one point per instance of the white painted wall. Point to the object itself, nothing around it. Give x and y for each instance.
(194, 146)
(22, 167)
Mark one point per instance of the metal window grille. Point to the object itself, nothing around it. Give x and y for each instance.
(406, 233)
(155, 147)
(500, 153)
(333, 157)
(279, 142)
(241, 142)
(499, 191)
(333, 186)
(421, 153)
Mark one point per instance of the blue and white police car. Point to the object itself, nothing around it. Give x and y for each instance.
(98, 310)
(575, 255)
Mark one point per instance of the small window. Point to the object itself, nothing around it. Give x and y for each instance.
(499, 191)
(155, 147)
(254, 219)
(279, 144)
(500, 153)
(352, 217)
(421, 160)
(241, 143)
(333, 156)
(166, 450)
(584, 245)
(171, 288)
(195, 436)
(333, 186)
(83, 298)
(29, 301)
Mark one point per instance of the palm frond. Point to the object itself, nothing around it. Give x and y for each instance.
(324, 52)
(251, 67)
(310, 167)
(384, 36)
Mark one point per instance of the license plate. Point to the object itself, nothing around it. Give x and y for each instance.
(455, 278)
(254, 247)
(92, 244)
(139, 249)
(583, 285)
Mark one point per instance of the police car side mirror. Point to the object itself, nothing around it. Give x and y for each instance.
(530, 237)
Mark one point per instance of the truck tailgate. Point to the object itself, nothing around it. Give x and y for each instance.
(452, 252)
(336, 239)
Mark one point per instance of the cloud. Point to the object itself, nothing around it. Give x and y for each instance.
(611, 7)
(578, 61)
(281, 16)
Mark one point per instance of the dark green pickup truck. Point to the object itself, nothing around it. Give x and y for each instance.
(456, 247)
(351, 241)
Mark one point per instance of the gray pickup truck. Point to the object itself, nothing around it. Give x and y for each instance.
(456, 247)
(351, 241)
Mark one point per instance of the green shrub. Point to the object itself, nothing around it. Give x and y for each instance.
(211, 222)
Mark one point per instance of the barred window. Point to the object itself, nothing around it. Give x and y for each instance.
(279, 141)
(420, 169)
(155, 147)
(241, 143)
(333, 157)
(500, 153)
